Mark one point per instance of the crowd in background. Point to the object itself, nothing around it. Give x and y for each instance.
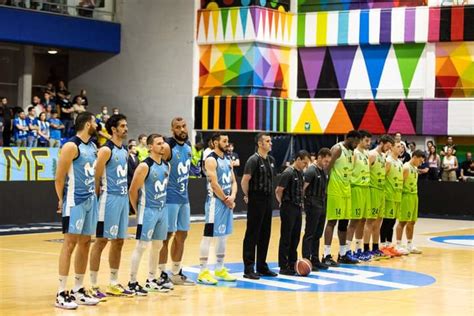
(84, 8)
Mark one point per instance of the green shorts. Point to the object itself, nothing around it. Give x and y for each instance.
(408, 208)
(391, 209)
(338, 207)
(377, 202)
(360, 198)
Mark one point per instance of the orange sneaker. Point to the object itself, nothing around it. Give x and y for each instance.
(394, 251)
(386, 252)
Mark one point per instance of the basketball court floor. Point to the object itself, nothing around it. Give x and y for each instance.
(438, 282)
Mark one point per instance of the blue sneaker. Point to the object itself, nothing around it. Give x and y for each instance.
(366, 256)
(376, 255)
(359, 255)
(351, 255)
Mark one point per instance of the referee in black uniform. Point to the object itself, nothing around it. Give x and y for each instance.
(257, 187)
(290, 195)
(315, 184)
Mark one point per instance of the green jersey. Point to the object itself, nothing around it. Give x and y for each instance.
(361, 172)
(394, 180)
(410, 184)
(377, 172)
(341, 172)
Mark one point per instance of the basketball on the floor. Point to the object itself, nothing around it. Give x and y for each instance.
(303, 267)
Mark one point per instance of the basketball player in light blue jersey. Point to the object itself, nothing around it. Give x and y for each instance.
(75, 187)
(111, 173)
(222, 190)
(178, 155)
(148, 198)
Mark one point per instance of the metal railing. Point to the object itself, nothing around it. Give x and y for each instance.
(98, 10)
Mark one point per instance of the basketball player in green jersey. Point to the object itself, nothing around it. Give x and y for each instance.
(393, 196)
(408, 214)
(377, 196)
(339, 196)
(360, 191)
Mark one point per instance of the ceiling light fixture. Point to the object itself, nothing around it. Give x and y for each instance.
(52, 51)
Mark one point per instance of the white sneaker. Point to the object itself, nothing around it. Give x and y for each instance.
(415, 251)
(402, 250)
(63, 300)
(155, 286)
(166, 281)
(83, 298)
(181, 279)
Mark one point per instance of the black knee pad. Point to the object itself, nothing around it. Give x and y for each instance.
(342, 225)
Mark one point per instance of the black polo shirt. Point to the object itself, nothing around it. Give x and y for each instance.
(292, 181)
(262, 172)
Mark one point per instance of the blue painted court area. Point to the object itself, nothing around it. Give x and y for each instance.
(460, 240)
(347, 278)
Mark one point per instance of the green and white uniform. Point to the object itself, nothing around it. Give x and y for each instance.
(393, 188)
(360, 181)
(339, 187)
(409, 204)
(377, 186)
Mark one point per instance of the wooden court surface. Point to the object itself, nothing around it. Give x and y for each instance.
(28, 276)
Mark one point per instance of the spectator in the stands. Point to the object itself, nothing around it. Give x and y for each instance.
(2, 126)
(103, 135)
(44, 134)
(196, 160)
(48, 111)
(467, 169)
(398, 137)
(48, 100)
(36, 105)
(78, 107)
(51, 90)
(115, 111)
(20, 129)
(142, 148)
(450, 165)
(103, 112)
(83, 96)
(411, 148)
(55, 128)
(234, 158)
(434, 163)
(449, 143)
(66, 117)
(7, 115)
(132, 160)
(423, 170)
(32, 122)
(313, 157)
(62, 90)
(85, 8)
(429, 144)
(404, 156)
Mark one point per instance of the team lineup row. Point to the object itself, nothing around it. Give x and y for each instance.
(158, 193)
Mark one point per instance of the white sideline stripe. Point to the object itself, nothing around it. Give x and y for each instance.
(240, 277)
(366, 274)
(462, 242)
(359, 279)
(305, 279)
(15, 229)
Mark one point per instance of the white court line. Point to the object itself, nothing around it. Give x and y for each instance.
(358, 279)
(362, 273)
(30, 251)
(304, 279)
(240, 277)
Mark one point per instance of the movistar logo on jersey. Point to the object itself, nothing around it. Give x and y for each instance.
(227, 178)
(89, 169)
(121, 171)
(160, 186)
(183, 168)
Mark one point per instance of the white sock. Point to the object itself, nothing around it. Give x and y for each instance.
(399, 243)
(348, 244)
(175, 267)
(161, 268)
(410, 244)
(154, 258)
(342, 250)
(113, 276)
(136, 258)
(220, 252)
(327, 250)
(62, 283)
(78, 282)
(204, 252)
(359, 244)
(93, 275)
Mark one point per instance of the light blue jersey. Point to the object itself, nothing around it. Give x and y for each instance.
(180, 162)
(224, 175)
(114, 179)
(153, 191)
(80, 182)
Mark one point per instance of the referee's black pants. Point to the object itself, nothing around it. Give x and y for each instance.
(313, 231)
(257, 234)
(290, 232)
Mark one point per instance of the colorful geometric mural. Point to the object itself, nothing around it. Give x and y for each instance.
(408, 116)
(246, 25)
(328, 5)
(281, 5)
(383, 71)
(450, 24)
(244, 69)
(455, 70)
